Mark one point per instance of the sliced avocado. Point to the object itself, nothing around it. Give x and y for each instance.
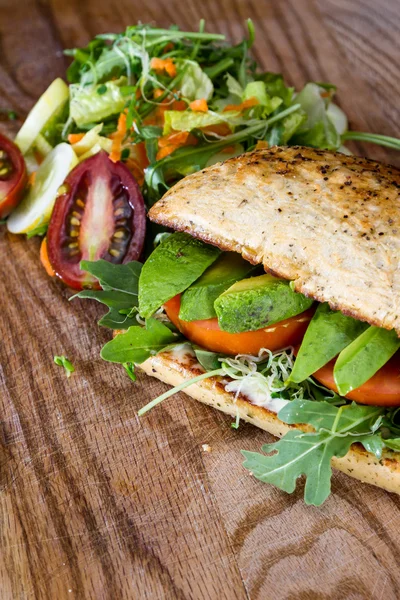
(171, 268)
(197, 302)
(258, 302)
(359, 361)
(327, 334)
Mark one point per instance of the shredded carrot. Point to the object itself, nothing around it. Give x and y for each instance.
(169, 143)
(178, 105)
(243, 106)
(73, 138)
(178, 138)
(168, 47)
(228, 149)
(199, 105)
(156, 117)
(261, 145)
(138, 94)
(163, 64)
(220, 129)
(32, 178)
(38, 157)
(138, 161)
(118, 138)
(44, 258)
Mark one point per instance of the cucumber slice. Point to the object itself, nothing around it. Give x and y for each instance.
(36, 207)
(48, 104)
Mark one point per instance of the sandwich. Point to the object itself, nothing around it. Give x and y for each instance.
(273, 296)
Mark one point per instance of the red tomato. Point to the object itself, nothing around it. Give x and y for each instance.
(12, 176)
(208, 334)
(101, 215)
(383, 389)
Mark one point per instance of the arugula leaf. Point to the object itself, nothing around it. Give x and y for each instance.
(138, 343)
(310, 454)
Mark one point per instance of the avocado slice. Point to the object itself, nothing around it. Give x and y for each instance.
(258, 302)
(328, 333)
(361, 359)
(197, 302)
(171, 268)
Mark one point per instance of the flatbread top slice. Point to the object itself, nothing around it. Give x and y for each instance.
(327, 221)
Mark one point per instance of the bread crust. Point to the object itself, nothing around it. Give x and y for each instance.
(328, 222)
(358, 463)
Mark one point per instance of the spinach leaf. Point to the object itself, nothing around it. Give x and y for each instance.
(115, 319)
(119, 291)
(208, 360)
(171, 268)
(138, 343)
(310, 454)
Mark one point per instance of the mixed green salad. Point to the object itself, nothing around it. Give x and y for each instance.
(141, 110)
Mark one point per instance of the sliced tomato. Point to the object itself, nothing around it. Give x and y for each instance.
(101, 215)
(13, 176)
(208, 334)
(383, 389)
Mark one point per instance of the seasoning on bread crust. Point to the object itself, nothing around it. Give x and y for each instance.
(327, 221)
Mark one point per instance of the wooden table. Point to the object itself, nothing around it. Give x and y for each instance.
(99, 504)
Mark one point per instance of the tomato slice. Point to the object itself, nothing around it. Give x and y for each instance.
(13, 176)
(208, 334)
(101, 215)
(383, 389)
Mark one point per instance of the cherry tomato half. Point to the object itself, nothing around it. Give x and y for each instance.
(12, 176)
(383, 389)
(101, 215)
(208, 334)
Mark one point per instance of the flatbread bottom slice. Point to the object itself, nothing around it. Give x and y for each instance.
(362, 465)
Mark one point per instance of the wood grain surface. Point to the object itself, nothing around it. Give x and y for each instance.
(97, 504)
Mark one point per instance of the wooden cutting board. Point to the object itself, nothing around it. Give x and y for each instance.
(99, 504)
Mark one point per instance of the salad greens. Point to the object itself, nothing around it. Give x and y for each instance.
(270, 377)
(169, 102)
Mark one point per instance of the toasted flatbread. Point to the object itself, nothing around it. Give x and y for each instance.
(327, 221)
(357, 463)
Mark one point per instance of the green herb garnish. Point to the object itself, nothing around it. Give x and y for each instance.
(62, 361)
